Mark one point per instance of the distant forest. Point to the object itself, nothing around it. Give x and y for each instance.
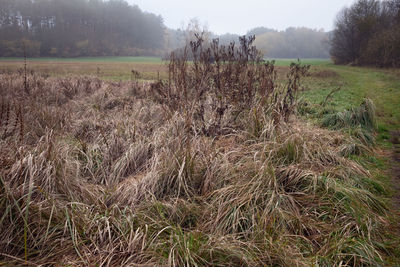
(66, 28)
(72, 28)
(294, 42)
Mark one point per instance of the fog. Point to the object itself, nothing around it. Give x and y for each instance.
(71, 28)
(238, 17)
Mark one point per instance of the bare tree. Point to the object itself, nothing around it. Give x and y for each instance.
(368, 33)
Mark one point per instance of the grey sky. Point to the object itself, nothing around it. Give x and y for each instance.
(235, 16)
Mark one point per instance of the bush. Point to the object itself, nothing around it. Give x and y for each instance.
(222, 80)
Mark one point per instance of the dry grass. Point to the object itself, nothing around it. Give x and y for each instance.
(112, 174)
(93, 175)
(325, 74)
(104, 70)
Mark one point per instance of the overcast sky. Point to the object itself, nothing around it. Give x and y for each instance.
(238, 16)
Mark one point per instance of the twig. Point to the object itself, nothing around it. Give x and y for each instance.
(330, 95)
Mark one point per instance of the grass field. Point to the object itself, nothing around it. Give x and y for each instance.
(108, 68)
(381, 86)
(111, 68)
(308, 61)
(356, 83)
(104, 173)
(89, 59)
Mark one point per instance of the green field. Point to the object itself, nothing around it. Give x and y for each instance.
(308, 61)
(89, 59)
(356, 83)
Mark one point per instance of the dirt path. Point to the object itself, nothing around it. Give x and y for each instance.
(395, 139)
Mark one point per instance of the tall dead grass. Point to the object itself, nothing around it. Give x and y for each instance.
(104, 177)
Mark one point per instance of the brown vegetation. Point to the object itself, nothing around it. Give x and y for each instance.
(324, 74)
(104, 70)
(208, 167)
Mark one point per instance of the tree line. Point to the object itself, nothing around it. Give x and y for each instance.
(72, 28)
(368, 33)
(294, 42)
(78, 28)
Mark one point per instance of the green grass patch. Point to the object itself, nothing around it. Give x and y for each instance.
(382, 87)
(307, 61)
